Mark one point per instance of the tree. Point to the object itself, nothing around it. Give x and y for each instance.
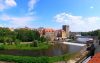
(22, 34)
(6, 35)
(42, 39)
(17, 41)
(35, 43)
(27, 35)
(7, 40)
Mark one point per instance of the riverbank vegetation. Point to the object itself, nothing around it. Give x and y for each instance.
(12, 40)
(92, 33)
(20, 35)
(27, 59)
(40, 46)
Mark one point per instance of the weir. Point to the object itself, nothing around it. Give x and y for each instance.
(77, 44)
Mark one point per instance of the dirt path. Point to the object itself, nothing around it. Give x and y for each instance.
(6, 62)
(60, 62)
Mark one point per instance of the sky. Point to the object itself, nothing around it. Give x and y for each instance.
(80, 15)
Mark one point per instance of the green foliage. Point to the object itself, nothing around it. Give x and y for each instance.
(64, 57)
(27, 59)
(17, 41)
(42, 39)
(25, 46)
(23, 59)
(92, 33)
(1, 47)
(35, 43)
(27, 35)
(22, 34)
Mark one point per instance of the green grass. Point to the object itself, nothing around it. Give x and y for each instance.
(27, 59)
(23, 59)
(25, 46)
(64, 57)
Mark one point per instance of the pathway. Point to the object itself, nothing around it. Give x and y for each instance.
(6, 62)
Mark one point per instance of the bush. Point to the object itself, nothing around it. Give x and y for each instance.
(42, 39)
(34, 43)
(17, 42)
(1, 47)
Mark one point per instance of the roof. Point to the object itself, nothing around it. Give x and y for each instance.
(95, 58)
(48, 30)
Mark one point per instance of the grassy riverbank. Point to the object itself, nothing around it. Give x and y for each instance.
(27, 59)
(25, 46)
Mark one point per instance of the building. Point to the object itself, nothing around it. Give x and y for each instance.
(52, 34)
(64, 34)
(48, 33)
(64, 27)
(40, 30)
(11, 29)
(65, 31)
(58, 34)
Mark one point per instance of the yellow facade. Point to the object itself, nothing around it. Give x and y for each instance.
(64, 34)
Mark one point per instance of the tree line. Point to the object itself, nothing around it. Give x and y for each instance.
(92, 33)
(19, 35)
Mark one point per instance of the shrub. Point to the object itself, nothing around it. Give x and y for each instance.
(34, 43)
(17, 42)
(1, 47)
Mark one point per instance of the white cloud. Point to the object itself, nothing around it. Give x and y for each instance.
(78, 23)
(21, 21)
(31, 4)
(91, 7)
(17, 21)
(10, 3)
(5, 4)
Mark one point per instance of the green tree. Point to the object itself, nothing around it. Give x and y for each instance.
(17, 42)
(42, 39)
(35, 43)
(27, 35)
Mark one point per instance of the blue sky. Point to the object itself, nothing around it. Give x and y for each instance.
(80, 15)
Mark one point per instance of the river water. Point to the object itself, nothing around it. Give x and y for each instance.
(55, 50)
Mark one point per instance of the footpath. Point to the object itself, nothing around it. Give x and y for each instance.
(6, 62)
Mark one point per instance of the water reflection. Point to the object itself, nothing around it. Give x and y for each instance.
(55, 50)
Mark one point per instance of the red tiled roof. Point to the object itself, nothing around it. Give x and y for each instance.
(49, 30)
(95, 58)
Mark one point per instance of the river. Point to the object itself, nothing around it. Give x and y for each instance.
(55, 50)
